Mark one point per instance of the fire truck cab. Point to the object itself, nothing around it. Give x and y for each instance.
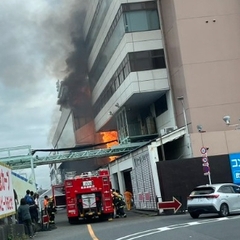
(88, 195)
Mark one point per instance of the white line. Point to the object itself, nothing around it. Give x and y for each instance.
(143, 235)
(135, 234)
(162, 229)
(193, 223)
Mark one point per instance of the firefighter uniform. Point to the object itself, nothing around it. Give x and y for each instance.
(51, 209)
(119, 204)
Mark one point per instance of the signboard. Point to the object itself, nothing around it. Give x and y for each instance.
(234, 159)
(174, 204)
(205, 163)
(7, 204)
(203, 150)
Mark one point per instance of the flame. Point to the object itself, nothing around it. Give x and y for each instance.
(110, 136)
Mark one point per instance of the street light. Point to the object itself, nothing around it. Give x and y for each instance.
(227, 120)
(199, 128)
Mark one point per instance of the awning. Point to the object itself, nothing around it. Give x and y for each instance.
(174, 135)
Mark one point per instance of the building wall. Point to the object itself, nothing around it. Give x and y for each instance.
(219, 142)
(202, 42)
(86, 134)
(64, 134)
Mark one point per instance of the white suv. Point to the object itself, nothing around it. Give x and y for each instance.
(222, 198)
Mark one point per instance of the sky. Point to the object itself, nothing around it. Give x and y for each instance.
(36, 40)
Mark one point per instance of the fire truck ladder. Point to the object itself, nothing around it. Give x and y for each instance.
(106, 196)
(28, 160)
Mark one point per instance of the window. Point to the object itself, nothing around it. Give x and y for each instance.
(161, 105)
(236, 189)
(117, 83)
(226, 189)
(113, 87)
(100, 13)
(113, 38)
(121, 77)
(141, 65)
(138, 21)
(202, 191)
(158, 59)
(158, 63)
(147, 60)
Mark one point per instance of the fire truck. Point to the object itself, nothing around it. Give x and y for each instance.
(87, 196)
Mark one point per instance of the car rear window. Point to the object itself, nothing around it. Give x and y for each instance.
(202, 191)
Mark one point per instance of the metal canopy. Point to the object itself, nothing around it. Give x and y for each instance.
(24, 161)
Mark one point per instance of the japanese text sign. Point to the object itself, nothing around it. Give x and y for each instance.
(235, 167)
(7, 204)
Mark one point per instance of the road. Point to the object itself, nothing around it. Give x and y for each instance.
(141, 226)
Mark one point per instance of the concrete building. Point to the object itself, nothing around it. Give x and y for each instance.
(163, 71)
(202, 40)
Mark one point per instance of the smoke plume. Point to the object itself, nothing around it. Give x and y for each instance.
(75, 84)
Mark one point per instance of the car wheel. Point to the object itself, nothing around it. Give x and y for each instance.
(194, 215)
(224, 211)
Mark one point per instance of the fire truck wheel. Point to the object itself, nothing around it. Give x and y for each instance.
(106, 217)
(73, 220)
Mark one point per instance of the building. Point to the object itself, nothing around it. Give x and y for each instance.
(163, 71)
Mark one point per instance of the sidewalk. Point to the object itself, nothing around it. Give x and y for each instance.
(150, 213)
(153, 213)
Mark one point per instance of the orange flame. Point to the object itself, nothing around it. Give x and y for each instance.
(110, 136)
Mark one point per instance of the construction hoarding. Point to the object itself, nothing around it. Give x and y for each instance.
(7, 203)
(21, 184)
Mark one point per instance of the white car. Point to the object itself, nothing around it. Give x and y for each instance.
(222, 198)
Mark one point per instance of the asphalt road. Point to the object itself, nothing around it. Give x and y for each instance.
(147, 227)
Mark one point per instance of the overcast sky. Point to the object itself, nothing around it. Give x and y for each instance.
(35, 42)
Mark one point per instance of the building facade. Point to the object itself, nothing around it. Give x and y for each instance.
(162, 71)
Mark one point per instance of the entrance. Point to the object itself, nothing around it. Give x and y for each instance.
(127, 180)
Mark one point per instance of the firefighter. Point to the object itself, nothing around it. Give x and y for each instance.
(51, 209)
(119, 204)
(128, 199)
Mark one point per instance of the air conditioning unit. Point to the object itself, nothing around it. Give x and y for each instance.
(167, 130)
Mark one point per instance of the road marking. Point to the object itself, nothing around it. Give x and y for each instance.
(91, 232)
(172, 227)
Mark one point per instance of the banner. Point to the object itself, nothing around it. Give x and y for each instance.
(7, 204)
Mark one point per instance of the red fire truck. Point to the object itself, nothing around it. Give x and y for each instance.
(87, 195)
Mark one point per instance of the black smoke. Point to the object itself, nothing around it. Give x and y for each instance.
(75, 84)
